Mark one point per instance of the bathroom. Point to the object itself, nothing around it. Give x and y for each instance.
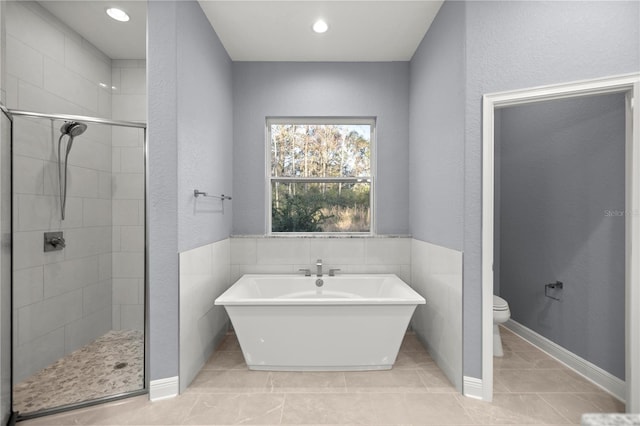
(428, 178)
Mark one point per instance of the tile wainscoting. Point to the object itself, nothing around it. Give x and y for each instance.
(436, 273)
(204, 275)
(286, 255)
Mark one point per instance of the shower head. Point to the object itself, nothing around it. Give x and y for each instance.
(73, 128)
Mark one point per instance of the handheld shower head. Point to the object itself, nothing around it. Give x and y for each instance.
(70, 129)
(73, 128)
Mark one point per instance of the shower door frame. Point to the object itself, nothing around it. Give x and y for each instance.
(11, 113)
(12, 415)
(628, 84)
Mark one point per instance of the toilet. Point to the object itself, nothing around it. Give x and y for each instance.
(501, 314)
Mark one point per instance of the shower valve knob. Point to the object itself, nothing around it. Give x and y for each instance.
(58, 242)
(54, 241)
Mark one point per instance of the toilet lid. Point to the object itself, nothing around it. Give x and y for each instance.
(499, 304)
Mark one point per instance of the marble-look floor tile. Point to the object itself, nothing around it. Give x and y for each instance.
(573, 405)
(512, 409)
(424, 409)
(410, 343)
(541, 380)
(133, 411)
(229, 343)
(226, 360)
(414, 359)
(229, 381)
(435, 380)
(400, 380)
(539, 359)
(415, 392)
(320, 408)
(307, 381)
(235, 409)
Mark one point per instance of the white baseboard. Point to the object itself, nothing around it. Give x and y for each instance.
(472, 387)
(164, 388)
(592, 372)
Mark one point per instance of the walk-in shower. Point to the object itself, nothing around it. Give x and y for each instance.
(79, 307)
(71, 129)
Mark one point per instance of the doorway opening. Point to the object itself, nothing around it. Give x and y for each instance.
(629, 87)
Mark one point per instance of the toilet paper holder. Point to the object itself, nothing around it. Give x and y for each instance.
(558, 285)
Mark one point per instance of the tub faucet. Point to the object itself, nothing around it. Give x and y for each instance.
(319, 267)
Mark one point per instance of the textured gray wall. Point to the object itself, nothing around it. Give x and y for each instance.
(436, 126)
(263, 89)
(524, 44)
(205, 130)
(189, 147)
(562, 189)
(163, 186)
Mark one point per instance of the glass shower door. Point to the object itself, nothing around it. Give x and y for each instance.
(79, 255)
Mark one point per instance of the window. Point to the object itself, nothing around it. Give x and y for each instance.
(320, 175)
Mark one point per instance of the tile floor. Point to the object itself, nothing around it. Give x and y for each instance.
(531, 389)
(90, 372)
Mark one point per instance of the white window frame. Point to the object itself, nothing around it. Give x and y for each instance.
(371, 121)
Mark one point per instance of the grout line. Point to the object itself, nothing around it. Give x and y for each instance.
(188, 412)
(553, 408)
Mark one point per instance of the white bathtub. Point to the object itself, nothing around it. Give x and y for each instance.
(352, 322)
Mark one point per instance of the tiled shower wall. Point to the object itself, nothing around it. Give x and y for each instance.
(128, 79)
(62, 299)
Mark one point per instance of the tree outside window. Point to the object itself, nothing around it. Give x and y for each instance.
(320, 175)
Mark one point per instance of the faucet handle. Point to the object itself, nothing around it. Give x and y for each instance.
(307, 272)
(332, 272)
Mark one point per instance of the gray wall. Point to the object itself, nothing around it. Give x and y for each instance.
(562, 165)
(205, 131)
(263, 89)
(162, 217)
(524, 44)
(437, 131)
(189, 107)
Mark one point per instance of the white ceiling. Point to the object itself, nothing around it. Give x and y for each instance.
(358, 30)
(268, 30)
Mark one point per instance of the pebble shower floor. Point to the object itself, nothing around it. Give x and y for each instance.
(94, 371)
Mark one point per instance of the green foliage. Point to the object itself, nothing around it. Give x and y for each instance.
(298, 213)
(329, 207)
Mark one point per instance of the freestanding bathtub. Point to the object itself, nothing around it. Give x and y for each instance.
(350, 322)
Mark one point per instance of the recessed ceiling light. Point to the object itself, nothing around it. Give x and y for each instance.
(320, 26)
(118, 14)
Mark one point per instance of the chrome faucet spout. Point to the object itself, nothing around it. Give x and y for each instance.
(319, 267)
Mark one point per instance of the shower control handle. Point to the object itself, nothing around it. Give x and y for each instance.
(58, 242)
(54, 241)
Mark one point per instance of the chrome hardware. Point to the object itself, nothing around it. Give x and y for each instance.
(318, 268)
(198, 193)
(307, 272)
(54, 241)
(319, 282)
(332, 272)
